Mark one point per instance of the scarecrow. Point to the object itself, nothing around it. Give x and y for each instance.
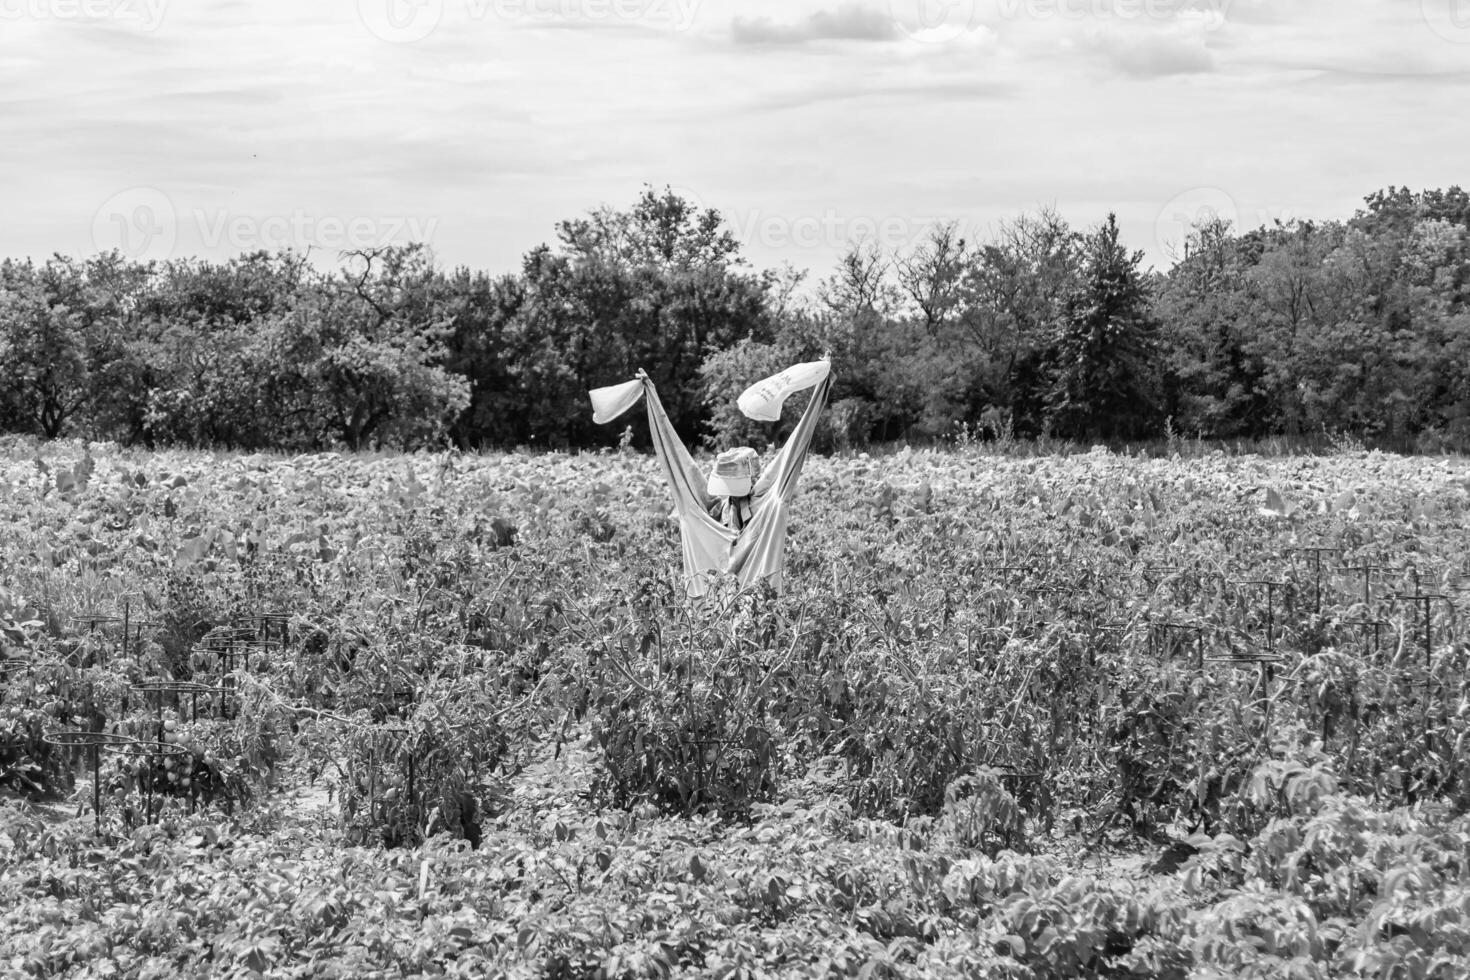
(734, 519)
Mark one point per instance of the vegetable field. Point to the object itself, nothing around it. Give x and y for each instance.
(1096, 716)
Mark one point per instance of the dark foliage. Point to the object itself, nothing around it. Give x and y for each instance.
(1356, 329)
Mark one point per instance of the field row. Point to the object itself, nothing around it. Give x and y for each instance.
(980, 666)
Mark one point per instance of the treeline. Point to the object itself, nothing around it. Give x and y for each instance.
(1358, 328)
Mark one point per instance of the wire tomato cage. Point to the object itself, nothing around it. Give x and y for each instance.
(388, 746)
(268, 627)
(1315, 554)
(1376, 589)
(237, 646)
(130, 626)
(247, 644)
(1181, 581)
(1012, 776)
(97, 742)
(14, 665)
(156, 693)
(1423, 604)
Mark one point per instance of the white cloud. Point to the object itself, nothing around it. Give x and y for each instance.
(847, 22)
(492, 128)
(1153, 55)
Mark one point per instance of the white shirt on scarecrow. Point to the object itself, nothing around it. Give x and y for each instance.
(734, 520)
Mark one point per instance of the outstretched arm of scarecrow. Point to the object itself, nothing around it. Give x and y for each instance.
(785, 469)
(685, 479)
(684, 475)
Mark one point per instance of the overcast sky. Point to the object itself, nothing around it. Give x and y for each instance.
(208, 127)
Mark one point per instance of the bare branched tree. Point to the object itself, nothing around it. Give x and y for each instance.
(933, 275)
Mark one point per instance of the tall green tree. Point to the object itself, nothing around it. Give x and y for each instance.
(46, 374)
(64, 325)
(658, 286)
(1214, 379)
(1015, 293)
(485, 346)
(1291, 292)
(204, 359)
(1105, 362)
